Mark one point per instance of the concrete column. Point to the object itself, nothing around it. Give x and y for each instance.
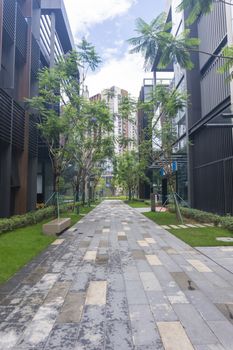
(21, 198)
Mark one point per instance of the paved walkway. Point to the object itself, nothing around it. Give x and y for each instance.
(118, 282)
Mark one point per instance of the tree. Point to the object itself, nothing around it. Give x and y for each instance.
(156, 40)
(89, 59)
(162, 132)
(54, 127)
(129, 171)
(198, 7)
(91, 142)
(58, 105)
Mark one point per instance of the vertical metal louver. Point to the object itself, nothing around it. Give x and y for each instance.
(5, 116)
(9, 17)
(33, 138)
(212, 29)
(18, 126)
(21, 35)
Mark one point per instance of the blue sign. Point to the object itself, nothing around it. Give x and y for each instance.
(174, 168)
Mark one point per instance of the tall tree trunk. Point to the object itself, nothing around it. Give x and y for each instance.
(77, 190)
(56, 182)
(177, 207)
(83, 192)
(130, 194)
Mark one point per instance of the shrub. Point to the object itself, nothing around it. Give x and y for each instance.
(227, 222)
(198, 215)
(30, 218)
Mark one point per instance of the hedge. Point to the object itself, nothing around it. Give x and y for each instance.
(30, 218)
(205, 217)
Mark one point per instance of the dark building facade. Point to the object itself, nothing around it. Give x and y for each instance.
(206, 124)
(27, 44)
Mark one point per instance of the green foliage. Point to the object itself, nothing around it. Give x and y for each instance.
(129, 171)
(162, 131)
(127, 106)
(155, 39)
(137, 203)
(199, 215)
(24, 220)
(91, 141)
(148, 41)
(196, 8)
(227, 66)
(88, 55)
(227, 222)
(177, 48)
(71, 132)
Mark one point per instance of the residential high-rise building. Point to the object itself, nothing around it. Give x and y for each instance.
(33, 34)
(123, 128)
(205, 127)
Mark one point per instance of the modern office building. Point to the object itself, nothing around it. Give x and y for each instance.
(33, 34)
(205, 128)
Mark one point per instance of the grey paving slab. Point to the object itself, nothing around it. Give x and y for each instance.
(119, 336)
(196, 328)
(144, 329)
(71, 311)
(224, 332)
(119, 281)
(63, 337)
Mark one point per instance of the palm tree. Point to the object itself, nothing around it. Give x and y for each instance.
(155, 38)
(198, 7)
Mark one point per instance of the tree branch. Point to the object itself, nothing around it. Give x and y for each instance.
(210, 54)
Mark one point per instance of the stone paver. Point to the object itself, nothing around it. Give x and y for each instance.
(117, 281)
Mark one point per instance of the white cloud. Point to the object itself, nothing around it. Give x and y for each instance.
(126, 73)
(119, 42)
(109, 53)
(85, 13)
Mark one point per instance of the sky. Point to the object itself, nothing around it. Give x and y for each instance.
(107, 24)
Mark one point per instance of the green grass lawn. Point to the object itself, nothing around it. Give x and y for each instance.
(122, 198)
(195, 237)
(20, 246)
(162, 218)
(137, 204)
(203, 237)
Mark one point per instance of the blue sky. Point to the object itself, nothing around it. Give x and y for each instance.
(108, 24)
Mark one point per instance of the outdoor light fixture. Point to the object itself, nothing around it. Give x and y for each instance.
(227, 115)
(219, 125)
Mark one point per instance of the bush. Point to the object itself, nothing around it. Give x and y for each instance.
(30, 218)
(198, 215)
(227, 222)
(205, 217)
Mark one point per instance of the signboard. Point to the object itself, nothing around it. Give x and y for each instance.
(174, 168)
